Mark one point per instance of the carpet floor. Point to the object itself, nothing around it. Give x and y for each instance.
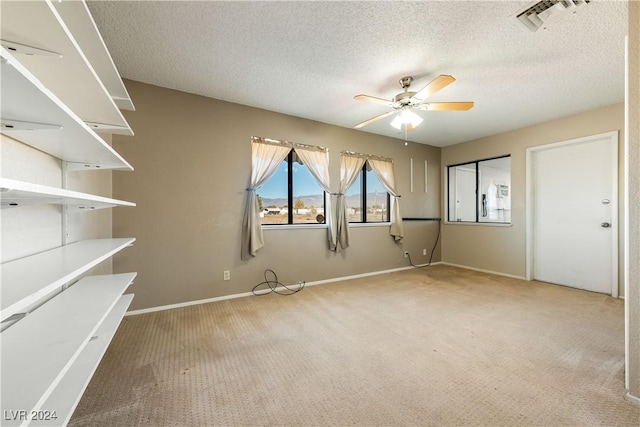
(436, 346)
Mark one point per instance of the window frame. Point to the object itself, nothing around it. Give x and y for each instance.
(363, 200)
(290, 200)
(476, 165)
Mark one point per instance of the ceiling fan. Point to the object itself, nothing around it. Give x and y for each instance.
(407, 101)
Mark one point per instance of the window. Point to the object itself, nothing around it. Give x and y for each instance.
(480, 191)
(372, 208)
(291, 195)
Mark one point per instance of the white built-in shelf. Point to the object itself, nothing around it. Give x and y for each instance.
(26, 281)
(35, 116)
(67, 394)
(39, 350)
(69, 74)
(15, 194)
(78, 19)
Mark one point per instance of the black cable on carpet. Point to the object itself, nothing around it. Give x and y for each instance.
(271, 285)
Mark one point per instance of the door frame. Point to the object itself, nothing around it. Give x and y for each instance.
(529, 199)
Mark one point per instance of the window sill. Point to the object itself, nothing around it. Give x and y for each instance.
(312, 226)
(369, 224)
(292, 226)
(489, 224)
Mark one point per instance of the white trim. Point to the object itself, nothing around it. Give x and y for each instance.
(497, 273)
(613, 137)
(368, 224)
(308, 226)
(490, 224)
(528, 217)
(426, 176)
(411, 174)
(633, 399)
(625, 200)
(248, 294)
(186, 304)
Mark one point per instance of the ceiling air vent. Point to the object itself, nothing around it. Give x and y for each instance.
(540, 14)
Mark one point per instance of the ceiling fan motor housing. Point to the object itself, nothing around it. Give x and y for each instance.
(404, 99)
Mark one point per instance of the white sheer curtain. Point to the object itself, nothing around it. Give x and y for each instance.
(350, 167)
(384, 171)
(316, 159)
(266, 156)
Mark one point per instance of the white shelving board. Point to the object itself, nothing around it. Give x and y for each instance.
(39, 350)
(69, 75)
(78, 19)
(28, 280)
(28, 102)
(15, 194)
(67, 394)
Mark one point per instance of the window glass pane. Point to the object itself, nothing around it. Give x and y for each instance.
(462, 193)
(308, 197)
(495, 190)
(354, 200)
(272, 197)
(377, 200)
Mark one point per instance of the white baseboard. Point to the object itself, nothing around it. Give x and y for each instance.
(497, 273)
(633, 399)
(246, 294)
(186, 304)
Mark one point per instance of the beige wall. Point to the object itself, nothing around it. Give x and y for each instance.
(503, 249)
(632, 301)
(192, 164)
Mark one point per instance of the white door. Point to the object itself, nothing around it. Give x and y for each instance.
(574, 227)
(465, 194)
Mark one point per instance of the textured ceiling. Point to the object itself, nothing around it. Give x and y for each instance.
(309, 59)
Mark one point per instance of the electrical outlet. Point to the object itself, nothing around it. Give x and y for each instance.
(226, 275)
(406, 254)
(424, 252)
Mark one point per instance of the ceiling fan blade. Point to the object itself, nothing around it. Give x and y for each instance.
(437, 84)
(374, 119)
(446, 106)
(373, 99)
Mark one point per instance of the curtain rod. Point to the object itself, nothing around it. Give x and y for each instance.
(366, 156)
(294, 145)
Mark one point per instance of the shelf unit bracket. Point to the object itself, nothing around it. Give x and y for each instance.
(105, 127)
(64, 221)
(14, 47)
(75, 166)
(11, 320)
(84, 208)
(14, 317)
(8, 125)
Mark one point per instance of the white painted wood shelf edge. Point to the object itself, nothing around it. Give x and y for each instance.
(81, 24)
(32, 114)
(15, 194)
(27, 281)
(68, 393)
(38, 24)
(39, 350)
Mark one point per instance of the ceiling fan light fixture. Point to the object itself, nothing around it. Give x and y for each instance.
(407, 118)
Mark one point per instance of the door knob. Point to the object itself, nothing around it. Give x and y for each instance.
(605, 225)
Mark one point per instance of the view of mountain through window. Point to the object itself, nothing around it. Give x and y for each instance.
(306, 205)
(376, 203)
